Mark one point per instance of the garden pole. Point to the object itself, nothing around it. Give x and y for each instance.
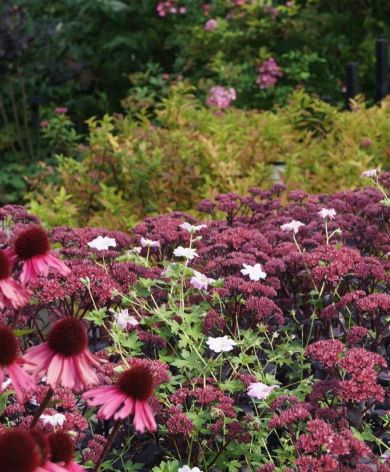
(352, 83)
(382, 68)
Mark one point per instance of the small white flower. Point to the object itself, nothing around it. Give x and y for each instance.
(294, 225)
(200, 281)
(255, 272)
(149, 243)
(222, 344)
(186, 468)
(58, 419)
(192, 228)
(6, 384)
(102, 243)
(371, 173)
(186, 252)
(260, 391)
(124, 320)
(327, 213)
(136, 250)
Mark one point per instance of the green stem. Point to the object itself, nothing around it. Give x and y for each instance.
(108, 445)
(42, 407)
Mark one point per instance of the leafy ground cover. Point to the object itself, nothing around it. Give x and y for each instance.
(254, 338)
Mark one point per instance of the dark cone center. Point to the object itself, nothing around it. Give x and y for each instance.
(61, 447)
(32, 242)
(9, 346)
(5, 266)
(137, 382)
(68, 337)
(19, 452)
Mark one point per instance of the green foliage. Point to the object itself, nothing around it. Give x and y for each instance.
(179, 323)
(128, 169)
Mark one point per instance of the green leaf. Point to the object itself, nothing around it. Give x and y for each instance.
(3, 400)
(22, 332)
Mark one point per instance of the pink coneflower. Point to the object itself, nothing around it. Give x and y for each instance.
(129, 396)
(11, 363)
(32, 246)
(62, 451)
(65, 357)
(12, 294)
(25, 451)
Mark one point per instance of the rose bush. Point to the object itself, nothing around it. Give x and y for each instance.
(255, 338)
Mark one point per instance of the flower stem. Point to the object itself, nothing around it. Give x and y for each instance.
(108, 445)
(42, 406)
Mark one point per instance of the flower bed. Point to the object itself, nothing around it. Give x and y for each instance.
(256, 338)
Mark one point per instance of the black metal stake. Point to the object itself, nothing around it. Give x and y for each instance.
(352, 81)
(382, 68)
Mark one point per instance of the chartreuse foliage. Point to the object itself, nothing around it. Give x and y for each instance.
(131, 167)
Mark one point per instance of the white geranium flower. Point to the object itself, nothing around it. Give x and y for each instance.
(294, 225)
(371, 173)
(58, 419)
(6, 384)
(102, 243)
(327, 213)
(186, 252)
(260, 391)
(192, 228)
(149, 243)
(200, 281)
(255, 272)
(124, 320)
(186, 468)
(221, 344)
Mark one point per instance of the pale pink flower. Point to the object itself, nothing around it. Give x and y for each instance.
(102, 243)
(61, 110)
(211, 25)
(269, 73)
(294, 226)
(221, 97)
(149, 243)
(200, 281)
(192, 228)
(58, 419)
(129, 396)
(186, 252)
(254, 272)
(260, 391)
(327, 213)
(371, 173)
(124, 320)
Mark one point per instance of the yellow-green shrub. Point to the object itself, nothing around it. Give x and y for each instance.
(133, 167)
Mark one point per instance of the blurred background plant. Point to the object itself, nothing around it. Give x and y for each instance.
(130, 168)
(119, 56)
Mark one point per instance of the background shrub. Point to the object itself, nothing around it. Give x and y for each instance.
(131, 168)
(98, 57)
